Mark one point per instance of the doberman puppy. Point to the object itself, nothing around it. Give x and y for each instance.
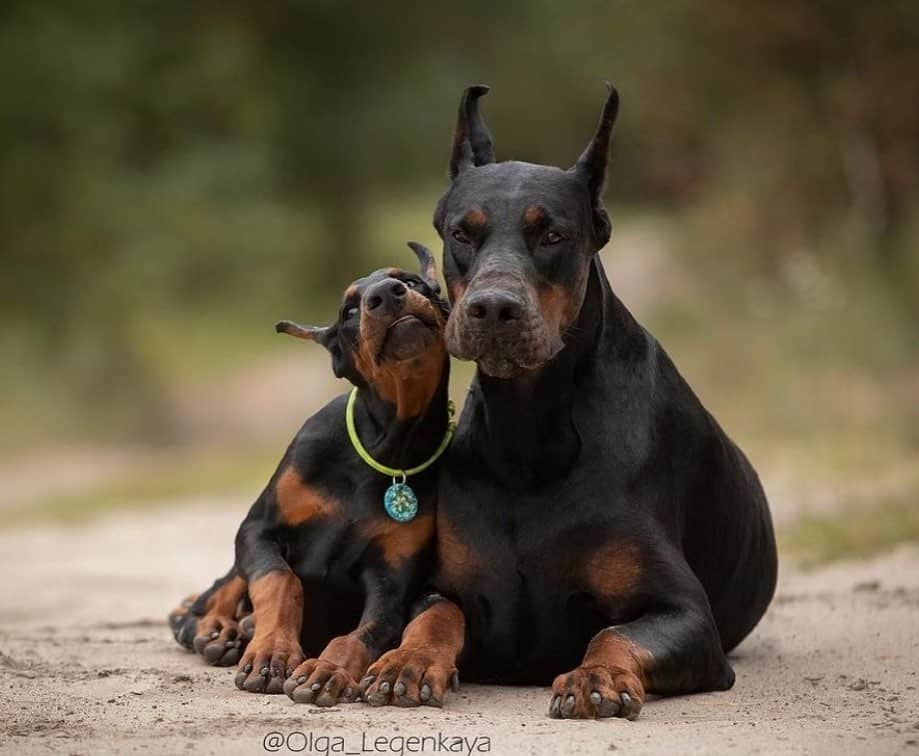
(318, 555)
(596, 528)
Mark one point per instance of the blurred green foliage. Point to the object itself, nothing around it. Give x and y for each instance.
(175, 176)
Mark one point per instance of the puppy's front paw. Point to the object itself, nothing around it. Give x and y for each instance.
(410, 677)
(267, 663)
(320, 682)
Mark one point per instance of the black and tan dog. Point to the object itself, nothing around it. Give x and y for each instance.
(596, 527)
(325, 567)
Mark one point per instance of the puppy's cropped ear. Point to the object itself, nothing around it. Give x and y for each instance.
(591, 166)
(327, 337)
(472, 143)
(323, 335)
(428, 266)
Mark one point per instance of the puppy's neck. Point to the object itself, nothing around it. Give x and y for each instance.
(401, 418)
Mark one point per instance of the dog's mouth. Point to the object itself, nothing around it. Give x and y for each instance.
(505, 355)
(411, 319)
(408, 336)
(508, 363)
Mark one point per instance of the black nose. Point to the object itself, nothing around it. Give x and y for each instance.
(385, 297)
(493, 308)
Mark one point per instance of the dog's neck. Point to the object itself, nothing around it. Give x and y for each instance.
(394, 439)
(524, 428)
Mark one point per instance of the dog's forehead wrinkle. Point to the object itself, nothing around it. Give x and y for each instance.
(507, 190)
(519, 175)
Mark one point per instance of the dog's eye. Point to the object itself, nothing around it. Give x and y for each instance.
(553, 237)
(351, 312)
(460, 237)
(411, 284)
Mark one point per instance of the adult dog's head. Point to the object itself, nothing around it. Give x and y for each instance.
(518, 239)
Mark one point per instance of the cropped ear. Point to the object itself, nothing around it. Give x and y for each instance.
(472, 144)
(323, 335)
(591, 166)
(327, 337)
(428, 266)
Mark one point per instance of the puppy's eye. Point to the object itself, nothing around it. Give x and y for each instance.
(351, 312)
(411, 284)
(553, 237)
(461, 237)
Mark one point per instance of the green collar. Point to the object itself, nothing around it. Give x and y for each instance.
(392, 471)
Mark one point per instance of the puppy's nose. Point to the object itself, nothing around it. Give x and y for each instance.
(385, 297)
(493, 308)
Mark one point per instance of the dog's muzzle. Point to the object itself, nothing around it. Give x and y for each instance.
(502, 331)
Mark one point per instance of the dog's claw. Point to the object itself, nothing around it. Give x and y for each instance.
(425, 693)
(568, 706)
(555, 707)
(630, 708)
(399, 689)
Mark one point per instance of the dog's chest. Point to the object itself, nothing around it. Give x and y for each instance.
(533, 574)
(357, 535)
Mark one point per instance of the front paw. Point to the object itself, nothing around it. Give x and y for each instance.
(219, 640)
(409, 677)
(320, 682)
(267, 663)
(596, 692)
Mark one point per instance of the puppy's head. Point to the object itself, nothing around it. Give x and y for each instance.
(389, 335)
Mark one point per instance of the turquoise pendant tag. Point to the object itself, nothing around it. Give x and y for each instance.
(400, 502)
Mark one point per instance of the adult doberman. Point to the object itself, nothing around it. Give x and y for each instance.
(593, 516)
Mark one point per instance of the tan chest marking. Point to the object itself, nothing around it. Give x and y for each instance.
(613, 570)
(299, 503)
(399, 541)
(457, 558)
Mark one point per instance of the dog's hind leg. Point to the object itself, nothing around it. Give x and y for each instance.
(208, 622)
(219, 638)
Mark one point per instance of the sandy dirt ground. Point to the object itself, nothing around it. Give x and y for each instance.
(88, 666)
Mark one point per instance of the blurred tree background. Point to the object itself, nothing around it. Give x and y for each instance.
(174, 177)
